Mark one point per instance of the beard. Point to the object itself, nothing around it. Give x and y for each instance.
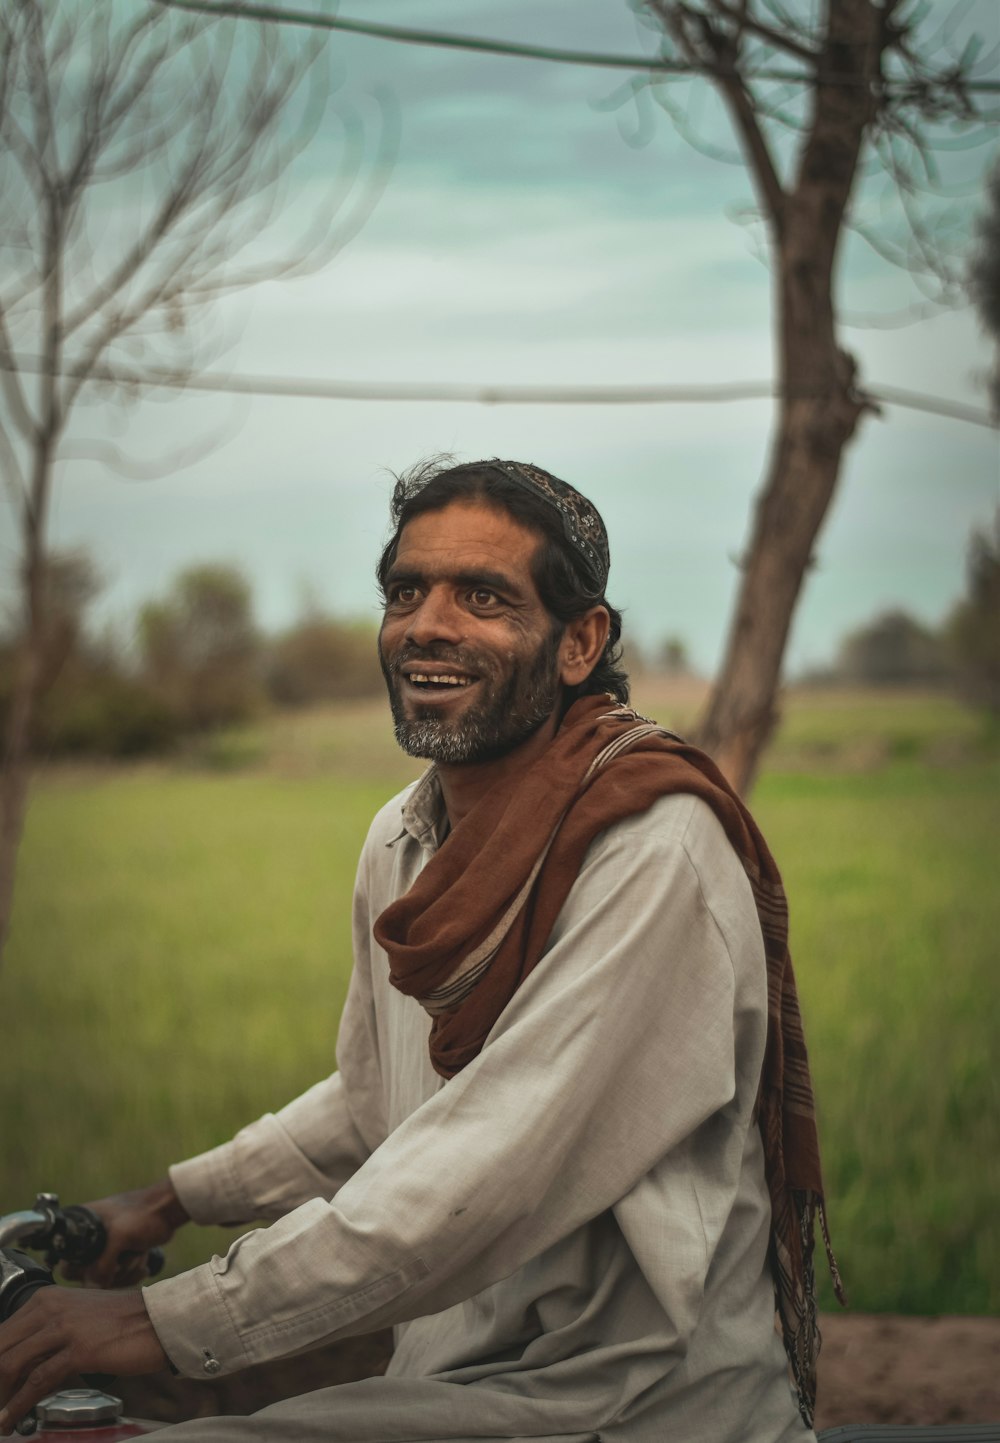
(509, 710)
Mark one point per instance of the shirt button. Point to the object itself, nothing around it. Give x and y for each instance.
(211, 1365)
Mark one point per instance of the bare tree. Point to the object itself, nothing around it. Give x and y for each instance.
(817, 96)
(143, 157)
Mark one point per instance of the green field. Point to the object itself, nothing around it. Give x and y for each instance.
(181, 949)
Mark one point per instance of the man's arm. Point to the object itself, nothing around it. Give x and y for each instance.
(309, 1149)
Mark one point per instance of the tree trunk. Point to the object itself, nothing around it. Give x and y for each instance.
(803, 473)
(819, 407)
(818, 413)
(24, 699)
(28, 669)
(14, 777)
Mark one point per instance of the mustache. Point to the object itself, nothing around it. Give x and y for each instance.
(457, 656)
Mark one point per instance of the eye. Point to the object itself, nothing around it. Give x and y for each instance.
(401, 593)
(483, 599)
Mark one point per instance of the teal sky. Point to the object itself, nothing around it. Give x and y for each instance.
(520, 239)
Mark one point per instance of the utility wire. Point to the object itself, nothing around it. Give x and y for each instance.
(317, 389)
(933, 405)
(443, 39)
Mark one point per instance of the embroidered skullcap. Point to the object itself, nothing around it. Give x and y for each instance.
(581, 521)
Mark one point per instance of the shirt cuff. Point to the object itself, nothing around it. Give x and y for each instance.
(194, 1328)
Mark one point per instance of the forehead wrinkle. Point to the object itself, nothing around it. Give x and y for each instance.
(467, 576)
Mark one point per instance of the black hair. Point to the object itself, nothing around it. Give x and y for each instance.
(563, 584)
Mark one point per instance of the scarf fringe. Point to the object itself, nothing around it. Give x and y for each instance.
(795, 1298)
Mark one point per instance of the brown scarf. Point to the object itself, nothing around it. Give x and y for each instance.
(478, 917)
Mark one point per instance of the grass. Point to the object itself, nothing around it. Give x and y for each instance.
(181, 950)
(895, 916)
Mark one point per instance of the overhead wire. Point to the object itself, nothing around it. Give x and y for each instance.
(309, 388)
(279, 15)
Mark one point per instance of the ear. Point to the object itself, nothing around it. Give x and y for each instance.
(582, 643)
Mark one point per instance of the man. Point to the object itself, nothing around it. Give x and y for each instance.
(569, 1149)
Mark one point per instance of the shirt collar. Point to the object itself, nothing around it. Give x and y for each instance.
(423, 815)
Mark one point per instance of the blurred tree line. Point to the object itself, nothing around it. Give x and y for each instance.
(963, 654)
(198, 662)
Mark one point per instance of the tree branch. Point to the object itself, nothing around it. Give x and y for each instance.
(703, 44)
(10, 384)
(13, 474)
(783, 40)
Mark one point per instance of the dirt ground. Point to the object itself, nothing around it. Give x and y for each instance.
(873, 1369)
(888, 1369)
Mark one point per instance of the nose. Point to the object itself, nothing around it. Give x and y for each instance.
(437, 618)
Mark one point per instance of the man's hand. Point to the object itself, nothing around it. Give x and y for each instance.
(63, 1331)
(136, 1221)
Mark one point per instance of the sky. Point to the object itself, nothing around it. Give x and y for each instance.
(520, 238)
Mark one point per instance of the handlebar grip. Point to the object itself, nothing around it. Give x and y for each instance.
(86, 1237)
(82, 1238)
(20, 1278)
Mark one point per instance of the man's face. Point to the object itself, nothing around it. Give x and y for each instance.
(469, 653)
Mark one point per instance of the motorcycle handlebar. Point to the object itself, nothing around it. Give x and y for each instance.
(73, 1235)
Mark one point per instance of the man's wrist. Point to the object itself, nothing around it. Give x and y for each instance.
(162, 1197)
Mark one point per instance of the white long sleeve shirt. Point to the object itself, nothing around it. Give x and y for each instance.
(570, 1236)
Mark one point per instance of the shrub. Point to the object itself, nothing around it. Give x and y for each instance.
(322, 659)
